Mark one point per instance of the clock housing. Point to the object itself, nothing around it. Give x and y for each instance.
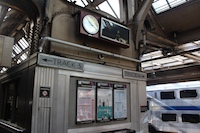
(89, 24)
(104, 29)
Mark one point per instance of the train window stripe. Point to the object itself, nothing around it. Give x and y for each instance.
(181, 107)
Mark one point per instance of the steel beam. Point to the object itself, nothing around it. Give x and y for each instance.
(138, 20)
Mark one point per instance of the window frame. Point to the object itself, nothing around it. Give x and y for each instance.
(168, 114)
(189, 116)
(12, 117)
(188, 97)
(161, 96)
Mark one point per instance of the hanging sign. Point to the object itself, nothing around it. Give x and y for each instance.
(104, 102)
(85, 101)
(120, 101)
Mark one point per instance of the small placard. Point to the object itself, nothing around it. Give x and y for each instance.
(144, 108)
(45, 92)
(128, 74)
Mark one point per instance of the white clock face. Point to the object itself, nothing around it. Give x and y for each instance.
(90, 24)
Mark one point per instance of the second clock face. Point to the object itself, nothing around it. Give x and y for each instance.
(90, 24)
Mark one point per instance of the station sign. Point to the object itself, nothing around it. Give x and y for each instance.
(59, 62)
(128, 74)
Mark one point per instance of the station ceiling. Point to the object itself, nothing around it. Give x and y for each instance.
(172, 31)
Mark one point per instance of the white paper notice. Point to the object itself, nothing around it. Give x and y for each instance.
(85, 103)
(120, 103)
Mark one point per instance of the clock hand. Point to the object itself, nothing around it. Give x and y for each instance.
(89, 20)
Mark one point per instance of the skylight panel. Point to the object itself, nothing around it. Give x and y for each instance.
(166, 62)
(9, 9)
(13, 55)
(189, 46)
(179, 58)
(24, 40)
(174, 3)
(115, 6)
(3, 70)
(22, 45)
(160, 6)
(197, 53)
(197, 42)
(164, 5)
(152, 55)
(81, 3)
(24, 56)
(106, 8)
(17, 49)
(19, 61)
(111, 7)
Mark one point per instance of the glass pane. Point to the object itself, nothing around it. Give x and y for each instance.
(115, 6)
(167, 95)
(188, 93)
(174, 3)
(106, 8)
(168, 117)
(192, 118)
(164, 5)
(160, 6)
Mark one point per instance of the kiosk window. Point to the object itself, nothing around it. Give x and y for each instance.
(11, 101)
(192, 118)
(168, 117)
(167, 95)
(188, 94)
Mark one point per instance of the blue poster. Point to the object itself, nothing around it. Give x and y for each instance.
(104, 113)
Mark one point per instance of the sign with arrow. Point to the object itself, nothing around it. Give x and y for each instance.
(59, 62)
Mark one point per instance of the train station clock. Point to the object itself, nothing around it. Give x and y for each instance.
(90, 24)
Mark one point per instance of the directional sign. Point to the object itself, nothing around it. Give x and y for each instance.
(128, 74)
(59, 62)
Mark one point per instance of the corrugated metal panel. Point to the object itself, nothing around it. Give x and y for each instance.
(44, 120)
(44, 77)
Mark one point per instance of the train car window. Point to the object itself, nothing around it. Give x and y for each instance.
(192, 118)
(167, 95)
(188, 93)
(168, 117)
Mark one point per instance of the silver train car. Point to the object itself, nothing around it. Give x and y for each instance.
(175, 110)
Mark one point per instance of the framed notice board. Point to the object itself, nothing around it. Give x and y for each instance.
(85, 111)
(120, 101)
(104, 102)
